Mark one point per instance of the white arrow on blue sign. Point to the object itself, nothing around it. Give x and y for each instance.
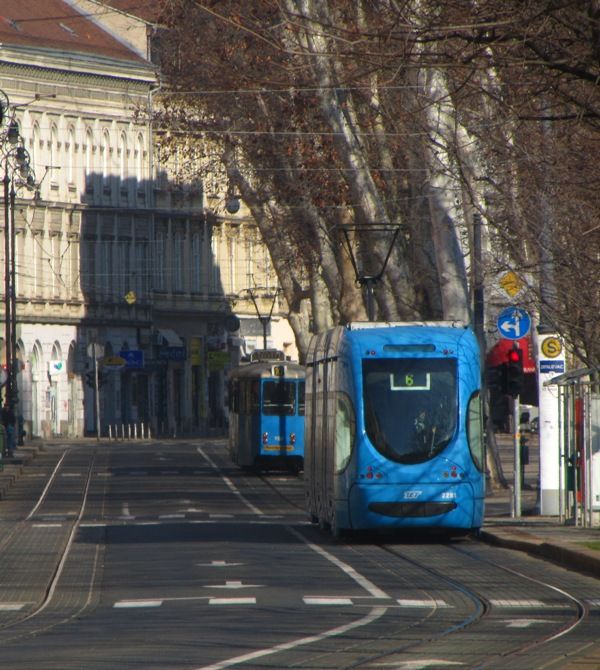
(513, 323)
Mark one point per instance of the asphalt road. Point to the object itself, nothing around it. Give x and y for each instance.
(165, 556)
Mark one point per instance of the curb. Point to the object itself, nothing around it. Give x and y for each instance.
(12, 468)
(577, 558)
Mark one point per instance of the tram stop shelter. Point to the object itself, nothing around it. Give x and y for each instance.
(579, 446)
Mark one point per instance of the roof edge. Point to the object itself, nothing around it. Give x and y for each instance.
(77, 61)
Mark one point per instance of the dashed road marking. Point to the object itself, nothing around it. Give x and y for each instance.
(11, 607)
(518, 603)
(425, 602)
(232, 601)
(47, 525)
(524, 623)
(132, 604)
(218, 564)
(323, 600)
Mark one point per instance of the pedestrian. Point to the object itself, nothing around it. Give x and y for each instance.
(8, 421)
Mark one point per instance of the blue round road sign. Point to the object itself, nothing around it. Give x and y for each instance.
(513, 323)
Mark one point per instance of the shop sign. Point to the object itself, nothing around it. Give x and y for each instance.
(134, 358)
(171, 353)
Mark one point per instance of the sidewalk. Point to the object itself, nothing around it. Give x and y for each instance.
(542, 536)
(12, 468)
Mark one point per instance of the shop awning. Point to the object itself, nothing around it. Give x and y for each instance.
(499, 352)
(169, 337)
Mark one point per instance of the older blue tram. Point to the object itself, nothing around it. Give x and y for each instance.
(266, 413)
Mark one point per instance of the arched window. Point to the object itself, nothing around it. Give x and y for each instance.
(196, 262)
(71, 156)
(139, 160)
(34, 149)
(105, 154)
(160, 261)
(89, 161)
(123, 172)
(178, 261)
(54, 157)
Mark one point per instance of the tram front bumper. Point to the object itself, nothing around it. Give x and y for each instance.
(406, 506)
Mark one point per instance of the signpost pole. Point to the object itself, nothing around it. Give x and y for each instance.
(516, 511)
(551, 362)
(97, 394)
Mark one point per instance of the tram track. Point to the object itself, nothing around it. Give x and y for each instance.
(54, 571)
(574, 611)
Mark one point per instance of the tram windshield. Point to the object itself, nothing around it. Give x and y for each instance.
(410, 406)
(279, 397)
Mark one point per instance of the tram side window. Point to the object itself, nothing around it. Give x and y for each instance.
(234, 401)
(254, 397)
(279, 397)
(344, 431)
(475, 430)
(301, 388)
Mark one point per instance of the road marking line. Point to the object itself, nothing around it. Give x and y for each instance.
(362, 581)
(221, 516)
(71, 474)
(47, 525)
(232, 601)
(374, 614)
(232, 487)
(11, 607)
(595, 602)
(130, 604)
(524, 623)
(423, 663)
(93, 525)
(218, 564)
(433, 604)
(323, 600)
(518, 603)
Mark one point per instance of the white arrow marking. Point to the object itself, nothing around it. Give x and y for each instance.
(234, 585)
(218, 564)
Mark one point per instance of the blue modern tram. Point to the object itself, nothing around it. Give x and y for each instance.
(394, 429)
(266, 413)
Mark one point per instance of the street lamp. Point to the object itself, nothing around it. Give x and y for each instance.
(264, 319)
(18, 173)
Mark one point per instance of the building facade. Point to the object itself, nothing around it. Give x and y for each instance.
(122, 273)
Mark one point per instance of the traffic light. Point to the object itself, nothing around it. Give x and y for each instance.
(513, 372)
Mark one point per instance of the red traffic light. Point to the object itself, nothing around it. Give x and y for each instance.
(514, 356)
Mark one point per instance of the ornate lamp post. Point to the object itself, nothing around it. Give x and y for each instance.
(16, 164)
